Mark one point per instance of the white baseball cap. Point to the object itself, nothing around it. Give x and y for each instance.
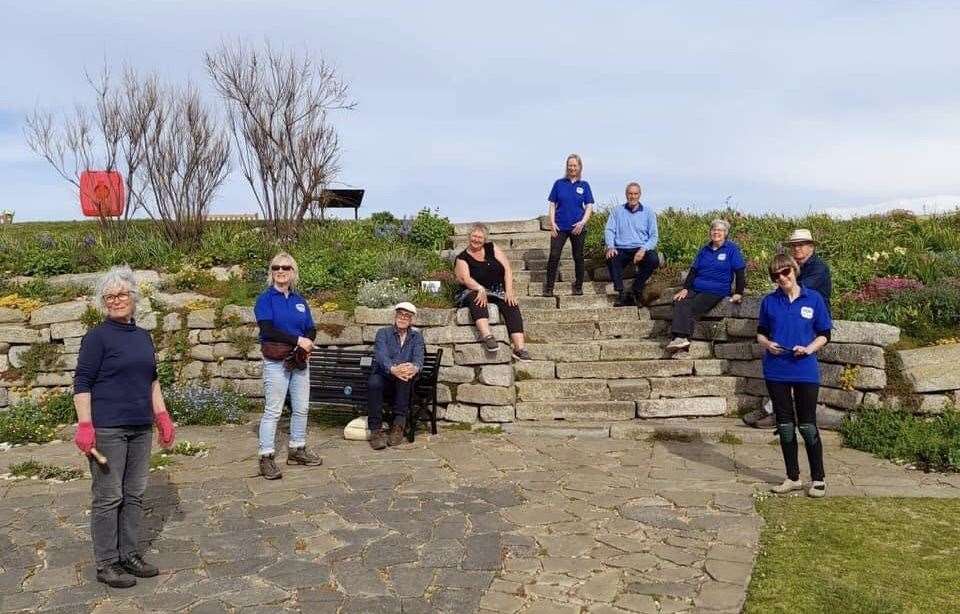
(406, 306)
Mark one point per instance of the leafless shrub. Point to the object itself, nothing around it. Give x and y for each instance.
(171, 151)
(278, 106)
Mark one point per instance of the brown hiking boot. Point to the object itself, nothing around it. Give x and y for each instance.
(378, 440)
(268, 468)
(395, 437)
(302, 456)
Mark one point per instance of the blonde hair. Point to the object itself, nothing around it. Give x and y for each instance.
(482, 228)
(279, 259)
(576, 157)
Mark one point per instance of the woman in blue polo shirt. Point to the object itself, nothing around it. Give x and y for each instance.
(794, 323)
(571, 204)
(285, 324)
(716, 266)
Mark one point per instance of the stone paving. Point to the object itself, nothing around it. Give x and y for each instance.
(462, 522)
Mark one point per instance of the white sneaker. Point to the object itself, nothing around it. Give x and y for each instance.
(787, 486)
(678, 343)
(817, 490)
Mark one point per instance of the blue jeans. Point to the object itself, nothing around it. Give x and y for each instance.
(118, 489)
(276, 382)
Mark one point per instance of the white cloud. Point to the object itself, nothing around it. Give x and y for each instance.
(921, 205)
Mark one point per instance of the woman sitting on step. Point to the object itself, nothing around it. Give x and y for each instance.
(485, 276)
(716, 266)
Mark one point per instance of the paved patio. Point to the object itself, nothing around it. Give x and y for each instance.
(458, 523)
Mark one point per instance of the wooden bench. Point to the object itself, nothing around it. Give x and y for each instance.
(339, 377)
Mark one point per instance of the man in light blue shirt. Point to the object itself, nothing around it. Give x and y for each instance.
(631, 237)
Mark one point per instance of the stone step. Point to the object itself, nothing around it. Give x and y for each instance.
(558, 332)
(566, 289)
(595, 301)
(611, 314)
(624, 369)
(502, 227)
(537, 302)
(631, 349)
(558, 390)
(576, 410)
(696, 386)
(673, 408)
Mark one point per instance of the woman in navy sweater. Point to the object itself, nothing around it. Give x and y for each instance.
(118, 398)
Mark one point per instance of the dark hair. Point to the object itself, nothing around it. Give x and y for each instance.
(782, 261)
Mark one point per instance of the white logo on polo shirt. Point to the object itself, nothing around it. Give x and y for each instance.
(806, 312)
(301, 307)
(721, 256)
(579, 189)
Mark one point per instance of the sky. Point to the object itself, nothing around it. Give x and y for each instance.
(771, 107)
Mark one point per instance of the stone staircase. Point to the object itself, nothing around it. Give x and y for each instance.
(595, 366)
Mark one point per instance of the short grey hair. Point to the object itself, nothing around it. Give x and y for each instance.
(117, 278)
(719, 223)
(482, 228)
(633, 184)
(281, 258)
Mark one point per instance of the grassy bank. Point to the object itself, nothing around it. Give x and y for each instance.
(857, 556)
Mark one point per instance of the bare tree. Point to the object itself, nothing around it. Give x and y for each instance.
(278, 106)
(186, 156)
(107, 138)
(172, 153)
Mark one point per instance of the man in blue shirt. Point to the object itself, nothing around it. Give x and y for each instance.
(571, 203)
(631, 237)
(397, 358)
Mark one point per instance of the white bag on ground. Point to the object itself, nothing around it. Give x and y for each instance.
(357, 430)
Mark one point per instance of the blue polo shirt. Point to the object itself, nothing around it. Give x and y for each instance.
(631, 229)
(715, 268)
(571, 199)
(290, 314)
(791, 324)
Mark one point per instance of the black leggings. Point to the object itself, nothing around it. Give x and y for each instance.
(509, 313)
(686, 312)
(796, 404)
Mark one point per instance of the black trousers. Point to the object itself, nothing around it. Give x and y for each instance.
(642, 270)
(686, 312)
(795, 406)
(380, 385)
(556, 247)
(510, 313)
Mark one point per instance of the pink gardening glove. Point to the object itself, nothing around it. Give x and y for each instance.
(84, 437)
(165, 430)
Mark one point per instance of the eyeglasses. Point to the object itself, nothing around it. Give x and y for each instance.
(406, 315)
(785, 272)
(116, 298)
(281, 267)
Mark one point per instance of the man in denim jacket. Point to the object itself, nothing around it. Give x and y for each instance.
(397, 358)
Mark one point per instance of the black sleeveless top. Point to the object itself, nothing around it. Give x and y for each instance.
(488, 272)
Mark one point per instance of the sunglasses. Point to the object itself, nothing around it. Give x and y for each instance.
(785, 272)
(281, 267)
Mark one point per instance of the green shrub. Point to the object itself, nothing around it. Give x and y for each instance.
(430, 230)
(40, 357)
(205, 405)
(91, 317)
(33, 468)
(382, 293)
(31, 421)
(399, 265)
(932, 444)
(925, 314)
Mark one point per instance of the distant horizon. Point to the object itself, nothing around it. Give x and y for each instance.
(808, 107)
